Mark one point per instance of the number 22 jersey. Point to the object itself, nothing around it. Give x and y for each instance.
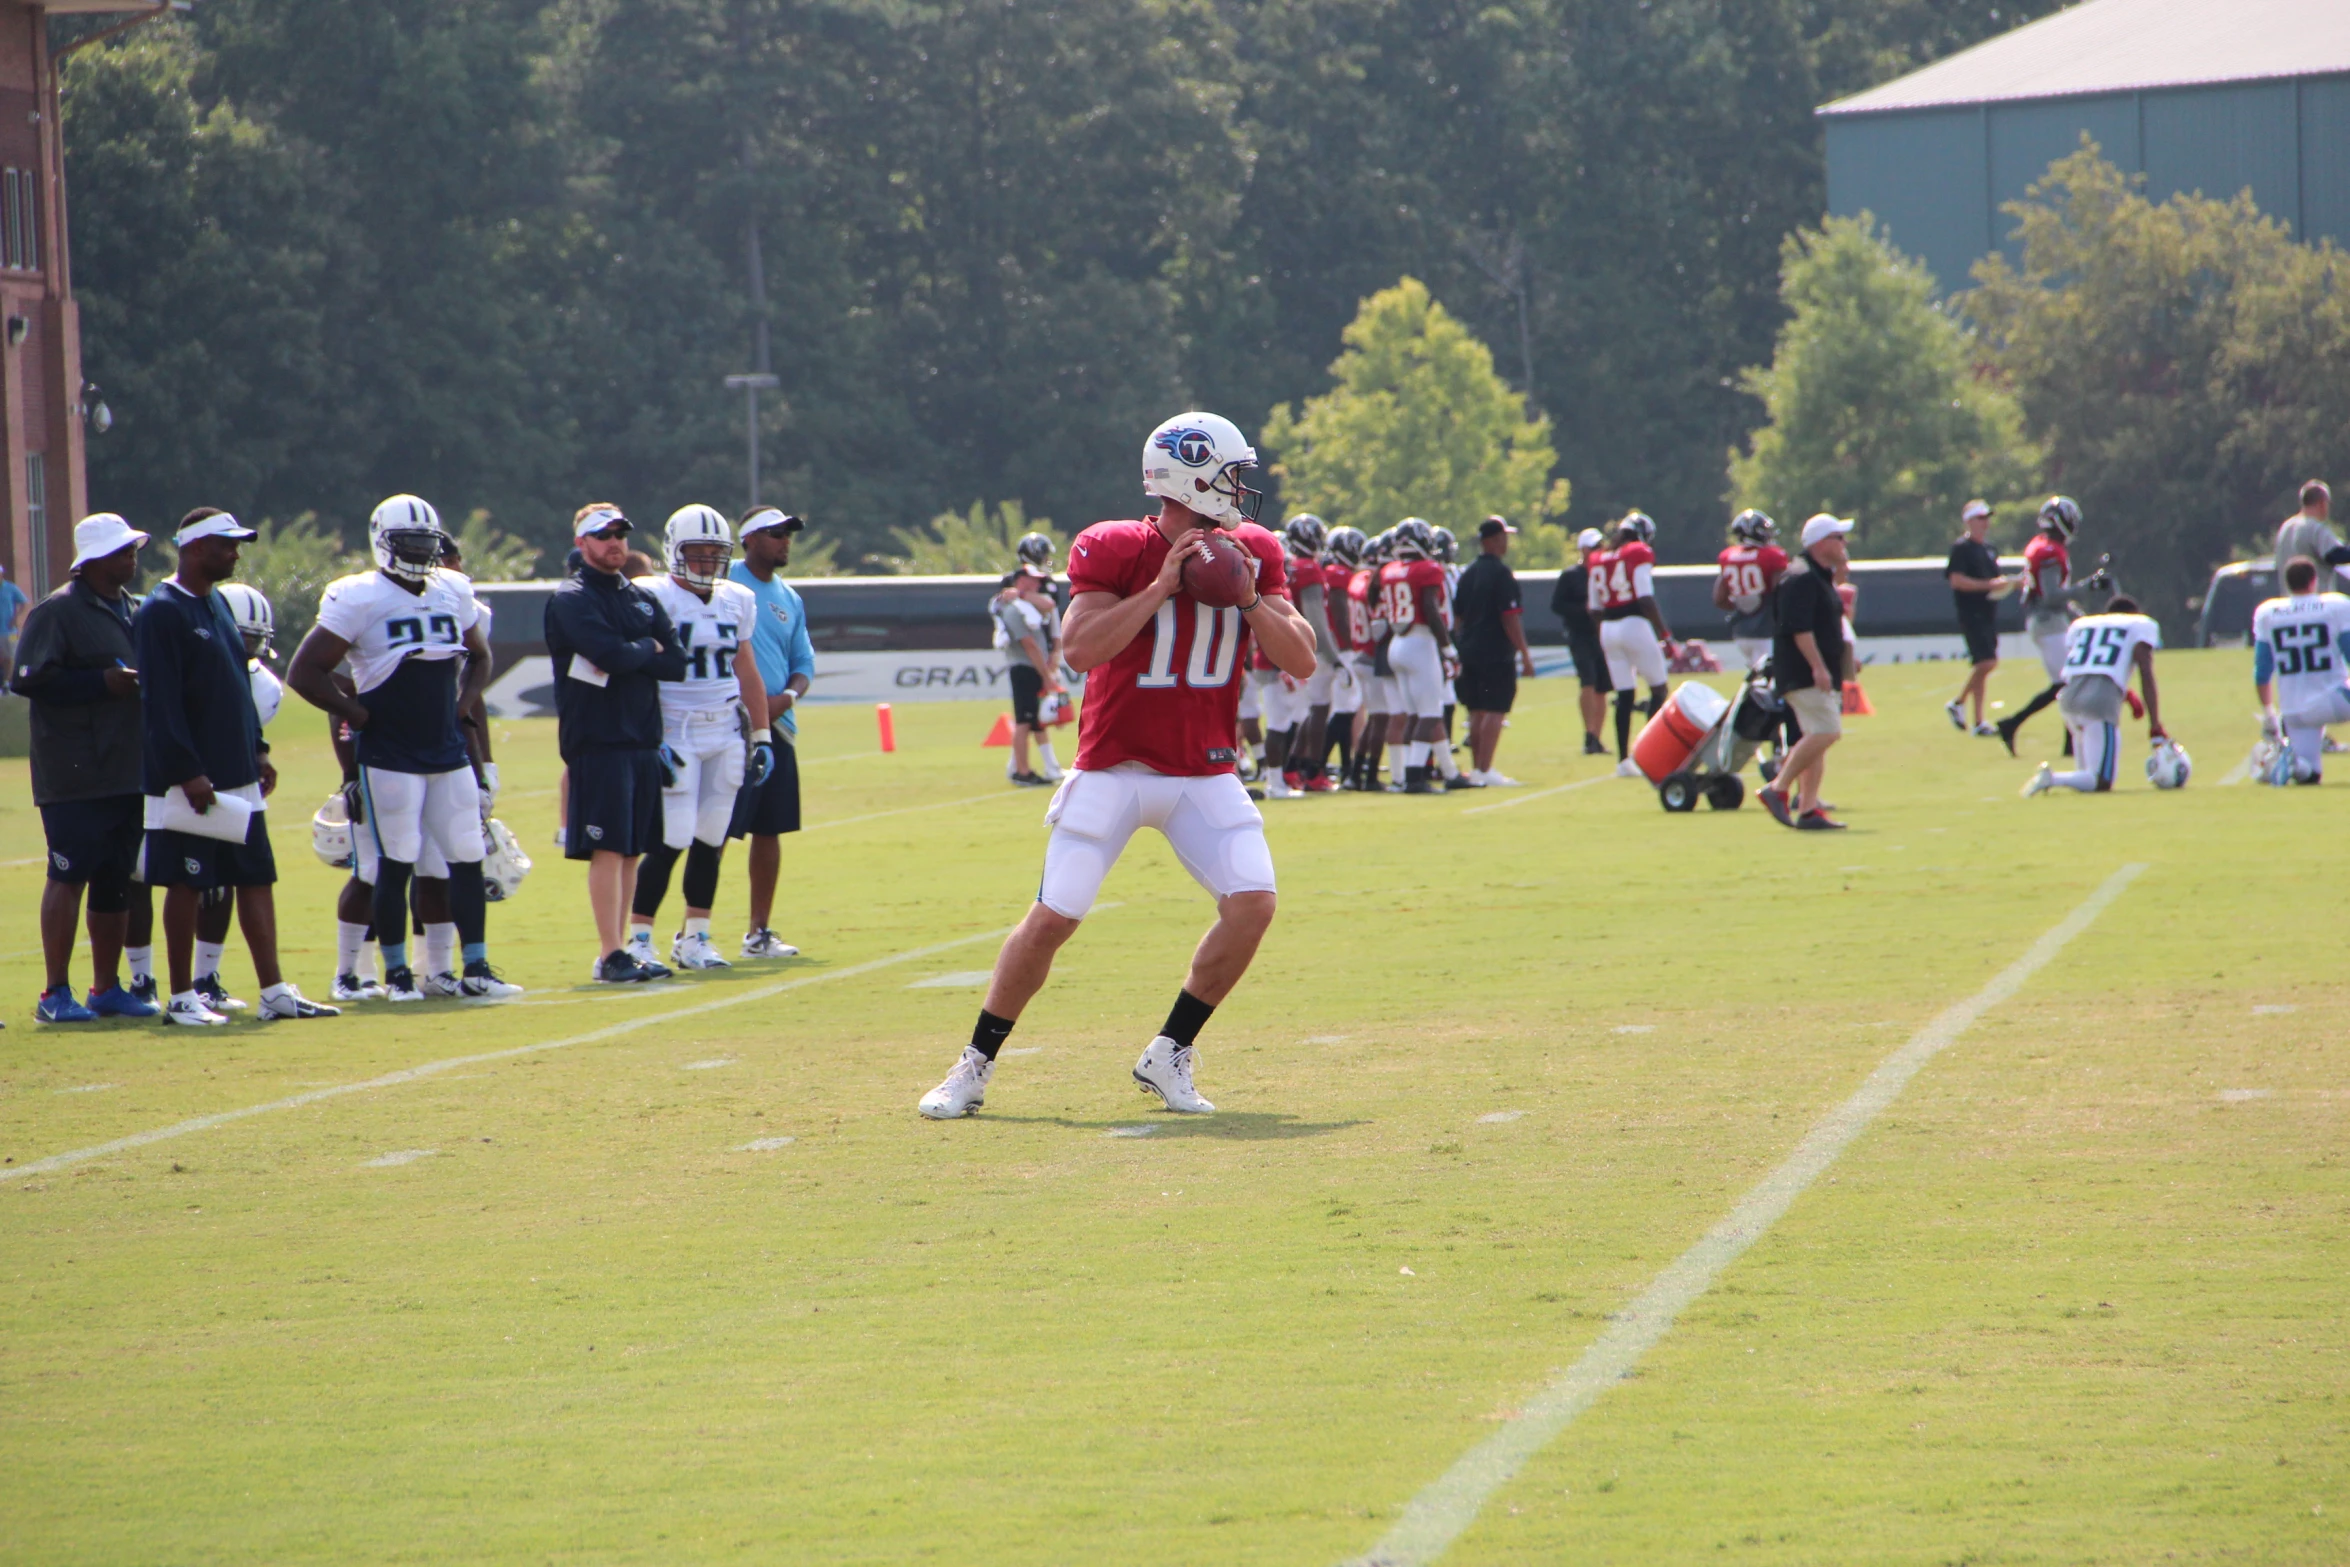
(406, 652)
(1170, 699)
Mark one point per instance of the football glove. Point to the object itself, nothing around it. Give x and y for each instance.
(762, 764)
(672, 764)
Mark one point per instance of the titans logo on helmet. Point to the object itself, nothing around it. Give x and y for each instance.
(1192, 448)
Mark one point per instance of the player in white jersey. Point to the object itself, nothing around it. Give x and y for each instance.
(2300, 658)
(412, 634)
(706, 719)
(2100, 651)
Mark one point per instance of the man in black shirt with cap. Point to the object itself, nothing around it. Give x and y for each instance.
(1807, 664)
(1975, 587)
(1490, 633)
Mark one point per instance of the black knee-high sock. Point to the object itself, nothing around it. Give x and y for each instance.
(652, 879)
(469, 905)
(1188, 1017)
(391, 907)
(701, 873)
(989, 1033)
(1341, 735)
(1623, 725)
(1656, 701)
(2033, 706)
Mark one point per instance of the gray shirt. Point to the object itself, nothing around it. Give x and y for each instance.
(2299, 535)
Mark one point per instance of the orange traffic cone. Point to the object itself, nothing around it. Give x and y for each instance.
(1856, 701)
(1001, 734)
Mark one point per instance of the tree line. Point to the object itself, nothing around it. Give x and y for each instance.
(497, 251)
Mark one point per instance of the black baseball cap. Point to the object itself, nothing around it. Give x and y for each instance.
(1493, 525)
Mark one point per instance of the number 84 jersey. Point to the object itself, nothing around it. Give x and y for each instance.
(1170, 699)
(712, 634)
(2107, 645)
(2301, 643)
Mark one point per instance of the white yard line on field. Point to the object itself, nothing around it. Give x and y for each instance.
(908, 810)
(2236, 774)
(1539, 794)
(1437, 1516)
(205, 1123)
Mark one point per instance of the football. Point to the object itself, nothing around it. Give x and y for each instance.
(1222, 574)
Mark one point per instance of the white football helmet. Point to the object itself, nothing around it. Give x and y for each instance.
(249, 607)
(1198, 460)
(330, 832)
(405, 535)
(503, 865)
(696, 525)
(2168, 766)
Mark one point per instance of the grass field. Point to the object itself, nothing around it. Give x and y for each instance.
(699, 1285)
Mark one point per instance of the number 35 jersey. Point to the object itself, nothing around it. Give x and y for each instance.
(2300, 643)
(406, 652)
(2107, 645)
(1170, 699)
(711, 633)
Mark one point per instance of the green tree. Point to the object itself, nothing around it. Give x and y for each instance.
(966, 543)
(1878, 408)
(291, 564)
(2185, 363)
(1418, 425)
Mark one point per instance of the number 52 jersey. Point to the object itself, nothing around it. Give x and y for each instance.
(1170, 699)
(406, 652)
(2301, 643)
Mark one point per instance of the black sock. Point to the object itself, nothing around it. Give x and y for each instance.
(391, 904)
(1656, 700)
(468, 902)
(989, 1033)
(701, 873)
(652, 880)
(1623, 725)
(2034, 705)
(1189, 1016)
(1343, 738)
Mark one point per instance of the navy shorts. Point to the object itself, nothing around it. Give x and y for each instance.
(774, 807)
(94, 840)
(1027, 694)
(615, 804)
(1982, 637)
(186, 859)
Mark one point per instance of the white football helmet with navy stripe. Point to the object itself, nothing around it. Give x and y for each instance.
(692, 525)
(1199, 460)
(405, 535)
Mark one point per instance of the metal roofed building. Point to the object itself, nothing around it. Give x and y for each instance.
(2197, 95)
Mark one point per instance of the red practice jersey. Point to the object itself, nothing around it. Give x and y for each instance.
(1621, 576)
(1400, 582)
(1751, 571)
(1170, 699)
(2042, 553)
(1355, 634)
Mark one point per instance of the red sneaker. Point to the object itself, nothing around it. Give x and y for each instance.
(1320, 783)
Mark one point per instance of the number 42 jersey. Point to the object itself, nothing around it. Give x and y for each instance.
(1170, 699)
(2301, 644)
(711, 633)
(406, 652)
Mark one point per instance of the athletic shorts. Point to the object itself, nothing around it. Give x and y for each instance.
(1285, 704)
(407, 811)
(430, 863)
(1632, 650)
(1346, 685)
(94, 840)
(1027, 692)
(1590, 662)
(699, 806)
(773, 808)
(1214, 828)
(2305, 729)
(186, 859)
(1420, 688)
(615, 804)
(1324, 680)
(1818, 712)
(1982, 637)
(1487, 688)
(1379, 693)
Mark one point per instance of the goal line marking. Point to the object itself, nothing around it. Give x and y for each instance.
(205, 1123)
(1436, 1517)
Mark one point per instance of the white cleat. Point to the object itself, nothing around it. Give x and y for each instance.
(1278, 789)
(400, 985)
(764, 943)
(191, 1013)
(291, 1003)
(350, 987)
(696, 952)
(1627, 768)
(483, 983)
(2040, 782)
(1165, 1070)
(443, 984)
(964, 1091)
(1495, 778)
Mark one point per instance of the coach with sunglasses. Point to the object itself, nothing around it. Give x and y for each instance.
(612, 645)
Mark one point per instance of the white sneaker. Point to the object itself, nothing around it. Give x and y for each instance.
(290, 1003)
(965, 1089)
(1165, 1070)
(640, 944)
(1279, 789)
(1627, 768)
(1957, 716)
(481, 982)
(191, 1012)
(1495, 778)
(400, 985)
(350, 987)
(443, 984)
(764, 943)
(695, 951)
(2041, 782)
(558, 837)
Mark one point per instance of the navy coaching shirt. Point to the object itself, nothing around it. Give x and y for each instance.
(195, 699)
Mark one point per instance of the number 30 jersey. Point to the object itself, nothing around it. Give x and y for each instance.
(406, 652)
(2107, 646)
(2301, 644)
(1170, 699)
(711, 634)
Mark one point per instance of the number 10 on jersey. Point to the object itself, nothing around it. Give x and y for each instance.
(1215, 645)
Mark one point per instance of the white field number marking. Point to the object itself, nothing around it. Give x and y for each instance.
(404, 1156)
(1436, 1517)
(966, 979)
(1498, 1117)
(765, 1145)
(2237, 1096)
(1130, 1131)
(2274, 1010)
(1635, 1028)
(707, 1066)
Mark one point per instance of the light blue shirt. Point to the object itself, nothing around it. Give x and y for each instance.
(781, 643)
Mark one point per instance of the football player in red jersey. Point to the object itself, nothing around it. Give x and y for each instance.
(1307, 537)
(1632, 631)
(1155, 746)
(1347, 683)
(2048, 610)
(1362, 612)
(1413, 608)
(1750, 568)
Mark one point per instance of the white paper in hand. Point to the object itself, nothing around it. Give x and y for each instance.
(229, 819)
(588, 674)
